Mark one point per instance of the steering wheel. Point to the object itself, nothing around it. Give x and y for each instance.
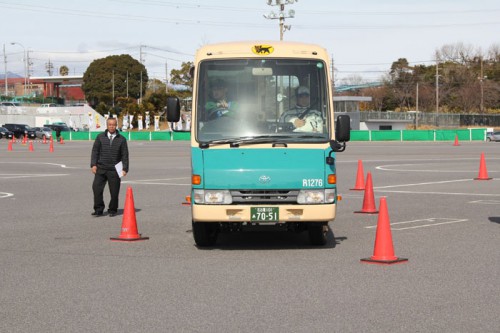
(216, 113)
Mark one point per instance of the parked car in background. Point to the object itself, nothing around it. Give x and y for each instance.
(5, 133)
(61, 127)
(43, 132)
(20, 130)
(15, 104)
(493, 136)
(58, 128)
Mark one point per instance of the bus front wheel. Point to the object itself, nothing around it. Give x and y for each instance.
(205, 234)
(318, 233)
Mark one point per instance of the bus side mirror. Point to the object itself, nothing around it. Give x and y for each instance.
(342, 135)
(173, 109)
(343, 128)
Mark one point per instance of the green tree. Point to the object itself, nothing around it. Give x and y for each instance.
(182, 76)
(64, 70)
(402, 81)
(121, 71)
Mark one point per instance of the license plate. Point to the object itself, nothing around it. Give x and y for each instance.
(267, 214)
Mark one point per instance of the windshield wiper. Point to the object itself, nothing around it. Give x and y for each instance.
(236, 142)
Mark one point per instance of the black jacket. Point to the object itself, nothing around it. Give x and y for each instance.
(106, 154)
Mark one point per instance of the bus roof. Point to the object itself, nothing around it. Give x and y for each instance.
(274, 49)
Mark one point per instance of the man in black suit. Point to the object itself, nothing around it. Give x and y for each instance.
(109, 149)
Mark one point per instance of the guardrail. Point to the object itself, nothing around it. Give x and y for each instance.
(472, 134)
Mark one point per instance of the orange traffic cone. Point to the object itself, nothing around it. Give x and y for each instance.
(51, 146)
(360, 178)
(44, 140)
(62, 140)
(369, 198)
(31, 146)
(383, 252)
(483, 173)
(9, 147)
(13, 139)
(129, 225)
(456, 141)
(25, 139)
(188, 201)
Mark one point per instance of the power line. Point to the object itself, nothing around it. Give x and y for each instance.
(226, 23)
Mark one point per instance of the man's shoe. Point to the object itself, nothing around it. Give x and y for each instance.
(111, 214)
(96, 213)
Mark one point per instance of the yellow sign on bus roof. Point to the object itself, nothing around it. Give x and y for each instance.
(262, 49)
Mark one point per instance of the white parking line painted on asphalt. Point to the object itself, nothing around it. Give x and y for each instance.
(426, 183)
(28, 175)
(396, 167)
(4, 195)
(38, 163)
(415, 160)
(167, 181)
(434, 221)
(485, 202)
(444, 193)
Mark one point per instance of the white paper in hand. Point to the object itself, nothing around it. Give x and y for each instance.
(119, 169)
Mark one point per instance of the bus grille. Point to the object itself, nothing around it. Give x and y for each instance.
(264, 196)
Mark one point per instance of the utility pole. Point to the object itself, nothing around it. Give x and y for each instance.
(437, 90)
(5, 76)
(416, 99)
(127, 86)
(333, 75)
(113, 87)
(28, 70)
(481, 79)
(141, 60)
(139, 101)
(25, 60)
(281, 15)
(49, 67)
(166, 78)
(416, 107)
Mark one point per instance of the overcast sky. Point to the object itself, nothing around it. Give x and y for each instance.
(363, 36)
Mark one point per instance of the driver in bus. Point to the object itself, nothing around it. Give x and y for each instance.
(302, 116)
(219, 105)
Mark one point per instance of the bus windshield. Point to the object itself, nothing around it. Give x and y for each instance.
(262, 98)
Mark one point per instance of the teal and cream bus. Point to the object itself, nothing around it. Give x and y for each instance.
(259, 159)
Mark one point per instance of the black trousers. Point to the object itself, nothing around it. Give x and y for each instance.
(100, 179)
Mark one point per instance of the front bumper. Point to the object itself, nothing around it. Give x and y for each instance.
(241, 213)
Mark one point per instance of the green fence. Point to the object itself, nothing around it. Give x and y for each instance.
(476, 134)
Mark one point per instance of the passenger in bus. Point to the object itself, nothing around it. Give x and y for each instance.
(302, 116)
(219, 105)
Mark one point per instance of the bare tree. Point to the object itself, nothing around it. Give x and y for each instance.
(457, 53)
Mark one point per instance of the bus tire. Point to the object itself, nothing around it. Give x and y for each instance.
(205, 234)
(318, 233)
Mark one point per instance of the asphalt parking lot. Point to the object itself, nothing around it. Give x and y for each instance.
(61, 273)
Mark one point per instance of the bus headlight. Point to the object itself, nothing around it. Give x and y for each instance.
(311, 197)
(213, 197)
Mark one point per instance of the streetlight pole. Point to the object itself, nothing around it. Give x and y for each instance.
(25, 64)
(5, 77)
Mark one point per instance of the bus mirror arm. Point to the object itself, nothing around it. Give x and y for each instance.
(337, 147)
